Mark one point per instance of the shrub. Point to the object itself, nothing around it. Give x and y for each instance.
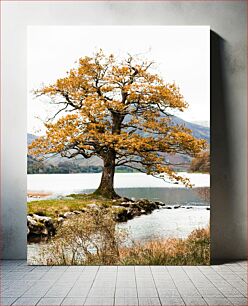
(201, 163)
(90, 238)
(194, 250)
(94, 239)
(203, 193)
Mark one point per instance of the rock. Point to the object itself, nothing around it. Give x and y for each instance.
(117, 207)
(120, 214)
(139, 205)
(123, 214)
(124, 199)
(69, 214)
(159, 203)
(130, 214)
(125, 204)
(93, 206)
(189, 207)
(41, 218)
(168, 207)
(60, 219)
(35, 227)
(136, 212)
(31, 221)
(143, 211)
(131, 203)
(77, 212)
(135, 206)
(40, 225)
(144, 201)
(176, 206)
(148, 206)
(208, 208)
(44, 231)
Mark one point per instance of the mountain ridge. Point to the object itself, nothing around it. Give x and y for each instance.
(198, 131)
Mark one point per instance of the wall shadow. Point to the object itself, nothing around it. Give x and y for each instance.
(222, 204)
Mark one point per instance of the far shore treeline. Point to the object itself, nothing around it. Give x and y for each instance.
(61, 165)
(65, 167)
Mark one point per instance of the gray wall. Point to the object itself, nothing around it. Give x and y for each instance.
(228, 101)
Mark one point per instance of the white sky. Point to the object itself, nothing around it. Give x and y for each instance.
(181, 53)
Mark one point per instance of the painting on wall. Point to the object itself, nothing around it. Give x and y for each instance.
(118, 165)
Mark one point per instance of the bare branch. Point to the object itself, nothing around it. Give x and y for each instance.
(62, 109)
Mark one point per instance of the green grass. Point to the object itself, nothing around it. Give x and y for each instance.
(53, 207)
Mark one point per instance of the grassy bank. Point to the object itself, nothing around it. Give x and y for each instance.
(72, 202)
(53, 212)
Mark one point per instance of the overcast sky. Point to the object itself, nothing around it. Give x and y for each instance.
(181, 53)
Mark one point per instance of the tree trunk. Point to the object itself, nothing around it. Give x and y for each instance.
(106, 187)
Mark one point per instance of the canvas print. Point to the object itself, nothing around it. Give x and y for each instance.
(118, 162)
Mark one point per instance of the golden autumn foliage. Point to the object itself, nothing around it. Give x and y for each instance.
(119, 111)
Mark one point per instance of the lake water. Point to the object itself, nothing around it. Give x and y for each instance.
(163, 222)
(63, 184)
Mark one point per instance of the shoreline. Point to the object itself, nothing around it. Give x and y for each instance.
(43, 221)
(41, 194)
(38, 194)
(71, 183)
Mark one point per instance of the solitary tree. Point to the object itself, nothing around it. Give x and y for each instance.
(120, 111)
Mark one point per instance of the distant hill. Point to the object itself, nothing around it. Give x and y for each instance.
(60, 164)
(205, 123)
(30, 138)
(198, 131)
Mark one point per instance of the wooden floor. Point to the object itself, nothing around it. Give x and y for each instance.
(140, 285)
